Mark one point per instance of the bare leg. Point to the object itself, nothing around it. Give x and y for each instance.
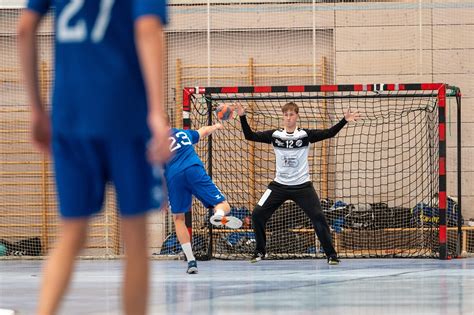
(185, 240)
(59, 267)
(181, 229)
(135, 286)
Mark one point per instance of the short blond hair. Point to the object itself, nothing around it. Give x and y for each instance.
(290, 106)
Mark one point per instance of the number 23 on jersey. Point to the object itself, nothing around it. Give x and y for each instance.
(180, 138)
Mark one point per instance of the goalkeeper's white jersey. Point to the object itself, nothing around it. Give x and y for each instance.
(291, 151)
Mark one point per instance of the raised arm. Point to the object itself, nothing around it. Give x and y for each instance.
(150, 44)
(208, 130)
(40, 122)
(316, 135)
(263, 136)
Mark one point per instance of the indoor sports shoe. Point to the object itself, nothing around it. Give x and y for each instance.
(257, 257)
(216, 220)
(333, 260)
(227, 221)
(192, 267)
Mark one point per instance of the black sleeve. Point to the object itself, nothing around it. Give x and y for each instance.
(263, 136)
(316, 135)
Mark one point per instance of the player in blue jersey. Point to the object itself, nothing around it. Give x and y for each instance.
(107, 117)
(186, 176)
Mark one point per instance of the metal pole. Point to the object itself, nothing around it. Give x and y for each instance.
(209, 169)
(459, 171)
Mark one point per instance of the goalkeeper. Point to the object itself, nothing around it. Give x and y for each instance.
(292, 181)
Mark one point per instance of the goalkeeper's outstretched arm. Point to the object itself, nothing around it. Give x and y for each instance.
(316, 135)
(264, 136)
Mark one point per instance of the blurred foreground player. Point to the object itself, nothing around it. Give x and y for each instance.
(107, 116)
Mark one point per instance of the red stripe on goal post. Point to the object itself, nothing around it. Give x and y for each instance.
(329, 88)
(442, 235)
(230, 89)
(262, 89)
(442, 166)
(442, 132)
(442, 97)
(296, 88)
(442, 200)
(431, 86)
(186, 94)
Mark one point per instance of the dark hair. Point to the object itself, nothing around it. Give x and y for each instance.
(290, 106)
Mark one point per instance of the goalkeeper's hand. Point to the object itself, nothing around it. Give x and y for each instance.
(351, 116)
(240, 109)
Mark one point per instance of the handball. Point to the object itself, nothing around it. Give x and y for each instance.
(224, 112)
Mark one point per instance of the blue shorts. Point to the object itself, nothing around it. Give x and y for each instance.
(192, 181)
(84, 166)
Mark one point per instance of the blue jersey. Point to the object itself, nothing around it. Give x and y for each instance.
(98, 86)
(181, 147)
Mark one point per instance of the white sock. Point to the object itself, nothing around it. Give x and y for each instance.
(219, 213)
(188, 251)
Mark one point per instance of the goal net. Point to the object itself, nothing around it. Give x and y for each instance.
(381, 180)
(259, 43)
